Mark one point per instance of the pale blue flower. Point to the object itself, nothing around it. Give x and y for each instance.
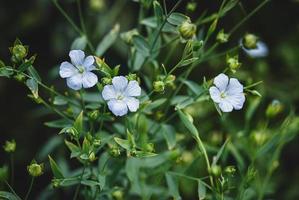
(227, 93)
(260, 51)
(78, 73)
(121, 95)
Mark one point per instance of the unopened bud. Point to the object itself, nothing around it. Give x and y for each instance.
(187, 30)
(97, 5)
(159, 86)
(230, 170)
(118, 194)
(150, 147)
(20, 77)
(132, 77)
(106, 80)
(274, 109)
(19, 52)
(222, 37)
(10, 146)
(250, 41)
(35, 169)
(114, 151)
(92, 157)
(215, 170)
(127, 37)
(233, 63)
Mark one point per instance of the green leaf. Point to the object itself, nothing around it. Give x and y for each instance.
(6, 72)
(33, 86)
(90, 183)
(177, 18)
(108, 40)
(188, 123)
(79, 43)
(24, 66)
(78, 125)
(158, 12)
(169, 135)
(8, 196)
(55, 169)
(34, 74)
(152, 23)
(219, 153)
(141, 45)
(201, 190)
(188, 62)
(59, 100)
(49, 147)
(75, 150)
(123, 143)
(194, 87)
(60, 123)
(173, 186)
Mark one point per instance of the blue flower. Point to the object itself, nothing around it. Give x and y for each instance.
(78, 73)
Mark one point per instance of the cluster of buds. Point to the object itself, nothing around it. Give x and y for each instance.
(162, 82)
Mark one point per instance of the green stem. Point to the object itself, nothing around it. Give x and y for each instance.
(55, 110)
(203, 150)
(11, 189)
(79, 185)
(12, 169)
(30, 188)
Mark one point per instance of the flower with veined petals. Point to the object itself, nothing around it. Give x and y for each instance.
(227, 93)
(121, 95)
(78, 73)
(260, 51)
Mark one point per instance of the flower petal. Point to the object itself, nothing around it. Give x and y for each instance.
(221, 82)
(234, 87)
(89, 79)
(88, 63)
(215, 94)
(237, 100)
(260, 51)
(120, 83)
(67, 70)
(133, 89)
(75, 82)
(132, 103)
(225, 106)
(77, 57)
(117, 107)
(108, 92)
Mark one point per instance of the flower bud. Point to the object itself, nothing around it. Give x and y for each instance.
(10, 146)
(97, 5)
(222, 37)
(170, 79)
(127, 37)
(35, 169)
(20, 77)
(230, 170)
(187, 30)
(94, 115)
(114, 151)
(259, 137)
(19, 52)
(56, 182)
(106, 80)
(118, 194)
(250, 41)
(159, 86)
(191, 6)
(150, 147)
(92, 157)
(215, 170)
(97, 142)
(132, 77)
(233, 63)
(187, 157)
(274, 109)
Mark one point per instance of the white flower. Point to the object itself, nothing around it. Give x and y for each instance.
(121, 95)
(228, 93)
(78, 73)
(260, 51)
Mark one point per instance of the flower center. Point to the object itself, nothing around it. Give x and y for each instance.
(81, 69)
(222, 95)
(120, 97)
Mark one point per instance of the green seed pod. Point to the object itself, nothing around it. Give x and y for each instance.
(35, 169)
(250, 41)
(215, 170)
(97, 5)
(187, 30)
(10, 146)
(159, 86)
(118, 194)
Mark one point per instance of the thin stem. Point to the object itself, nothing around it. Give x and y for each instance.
(55, 110)
(12, 169)
(30, 188)
(203, 149)
(11, 189)
(76, 28)
(248, 16)
(79, 185)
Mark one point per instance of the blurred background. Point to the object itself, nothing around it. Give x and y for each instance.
(39, 24)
